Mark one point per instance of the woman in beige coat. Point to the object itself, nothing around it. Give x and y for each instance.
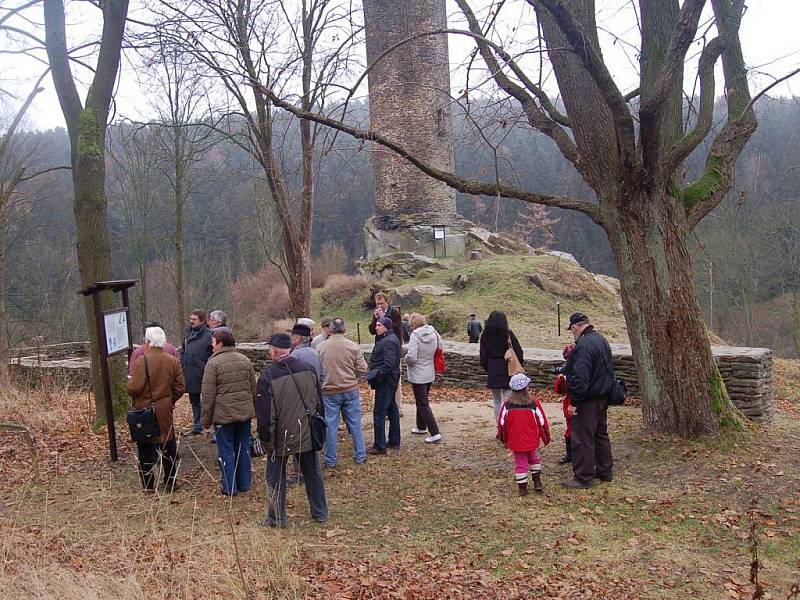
(157, 381)
(228, 403)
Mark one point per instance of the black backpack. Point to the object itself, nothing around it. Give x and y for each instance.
(618, 393)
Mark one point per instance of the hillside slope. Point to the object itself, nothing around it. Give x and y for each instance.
(526, 288)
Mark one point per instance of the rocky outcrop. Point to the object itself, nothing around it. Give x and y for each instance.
(397, 265)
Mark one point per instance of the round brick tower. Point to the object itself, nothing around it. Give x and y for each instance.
(409, 99)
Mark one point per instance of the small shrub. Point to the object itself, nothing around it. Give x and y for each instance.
(331, 260)
(257, 301)
(340, 288)
(446, 322)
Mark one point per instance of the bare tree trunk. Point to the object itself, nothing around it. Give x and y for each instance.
(4, 354)
(794, 320)
(180, 300)
(87, 129)
(670, 345)
(93, 249)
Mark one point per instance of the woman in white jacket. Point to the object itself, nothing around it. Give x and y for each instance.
(419, 362)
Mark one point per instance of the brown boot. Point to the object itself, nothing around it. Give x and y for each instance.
(523, 489)
(537, 482)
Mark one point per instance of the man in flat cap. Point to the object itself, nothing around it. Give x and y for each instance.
(302, 350)
(286, 391)
(589, 375)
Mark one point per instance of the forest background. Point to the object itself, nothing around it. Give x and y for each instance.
(746, 254)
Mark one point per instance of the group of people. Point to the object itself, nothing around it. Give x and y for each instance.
(319, 375)
(308, 375)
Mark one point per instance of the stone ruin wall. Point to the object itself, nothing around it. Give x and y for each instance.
(747, 372)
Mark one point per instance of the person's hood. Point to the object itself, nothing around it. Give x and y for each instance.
(427, 334)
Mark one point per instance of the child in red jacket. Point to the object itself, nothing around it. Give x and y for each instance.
(523, 426)
(560, 387)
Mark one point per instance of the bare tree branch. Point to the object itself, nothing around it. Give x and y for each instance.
(708, 59)
(457, 183)
(597, 69)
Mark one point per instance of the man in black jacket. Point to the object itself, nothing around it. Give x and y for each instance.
(590, 374)
(474, 329)
(195, 352)
(384, 377)
(286, 391)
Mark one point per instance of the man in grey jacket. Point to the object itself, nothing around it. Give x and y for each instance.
(286, 392)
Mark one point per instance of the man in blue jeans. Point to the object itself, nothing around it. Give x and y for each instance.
(343, 363)
(384, 378)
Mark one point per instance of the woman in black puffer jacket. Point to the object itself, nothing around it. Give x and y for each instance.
(493, 345)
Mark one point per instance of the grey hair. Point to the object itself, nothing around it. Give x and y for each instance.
(338, 326)
(306, 321)
(155, 336)
(218, 315)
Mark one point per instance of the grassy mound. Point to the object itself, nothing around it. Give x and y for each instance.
(500, 283)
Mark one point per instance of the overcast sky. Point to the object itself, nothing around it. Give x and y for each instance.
(769, 36)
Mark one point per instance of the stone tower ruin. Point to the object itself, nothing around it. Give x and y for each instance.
(409, 99)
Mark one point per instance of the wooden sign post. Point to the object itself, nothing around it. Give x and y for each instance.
(113, 336)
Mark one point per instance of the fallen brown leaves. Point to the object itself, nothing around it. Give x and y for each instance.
(428, 576)
(427, 522)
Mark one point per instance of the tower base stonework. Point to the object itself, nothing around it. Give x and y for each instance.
(416, 234)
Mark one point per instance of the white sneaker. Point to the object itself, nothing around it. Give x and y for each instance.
(434, 439)
(416, 431)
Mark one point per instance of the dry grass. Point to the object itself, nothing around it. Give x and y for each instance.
(429, 522)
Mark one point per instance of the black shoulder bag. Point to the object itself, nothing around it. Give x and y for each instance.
(618, 392)
(316, 421)
(142, 421)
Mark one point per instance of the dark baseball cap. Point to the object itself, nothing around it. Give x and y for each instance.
(575, 318)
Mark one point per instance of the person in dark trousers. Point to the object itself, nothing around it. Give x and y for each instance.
(384, 376)
(474, 329)
(195, 352)
(229, 392)
(589, 374)
(157, 381)
(286, 391)
(384, 309)
(495, 340)
(422, 345)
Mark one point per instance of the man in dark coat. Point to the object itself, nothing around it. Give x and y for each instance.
(384, 377)
(286, 391)
(195, 353)
(474, 329)
(589, 375)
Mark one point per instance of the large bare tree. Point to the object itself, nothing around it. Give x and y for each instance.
(644, 205)
(86, 123)
(180, 99)
(273, 44)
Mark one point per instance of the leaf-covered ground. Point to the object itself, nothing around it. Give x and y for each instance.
(426, 522)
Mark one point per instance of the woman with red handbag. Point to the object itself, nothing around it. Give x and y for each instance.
(422, 347)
